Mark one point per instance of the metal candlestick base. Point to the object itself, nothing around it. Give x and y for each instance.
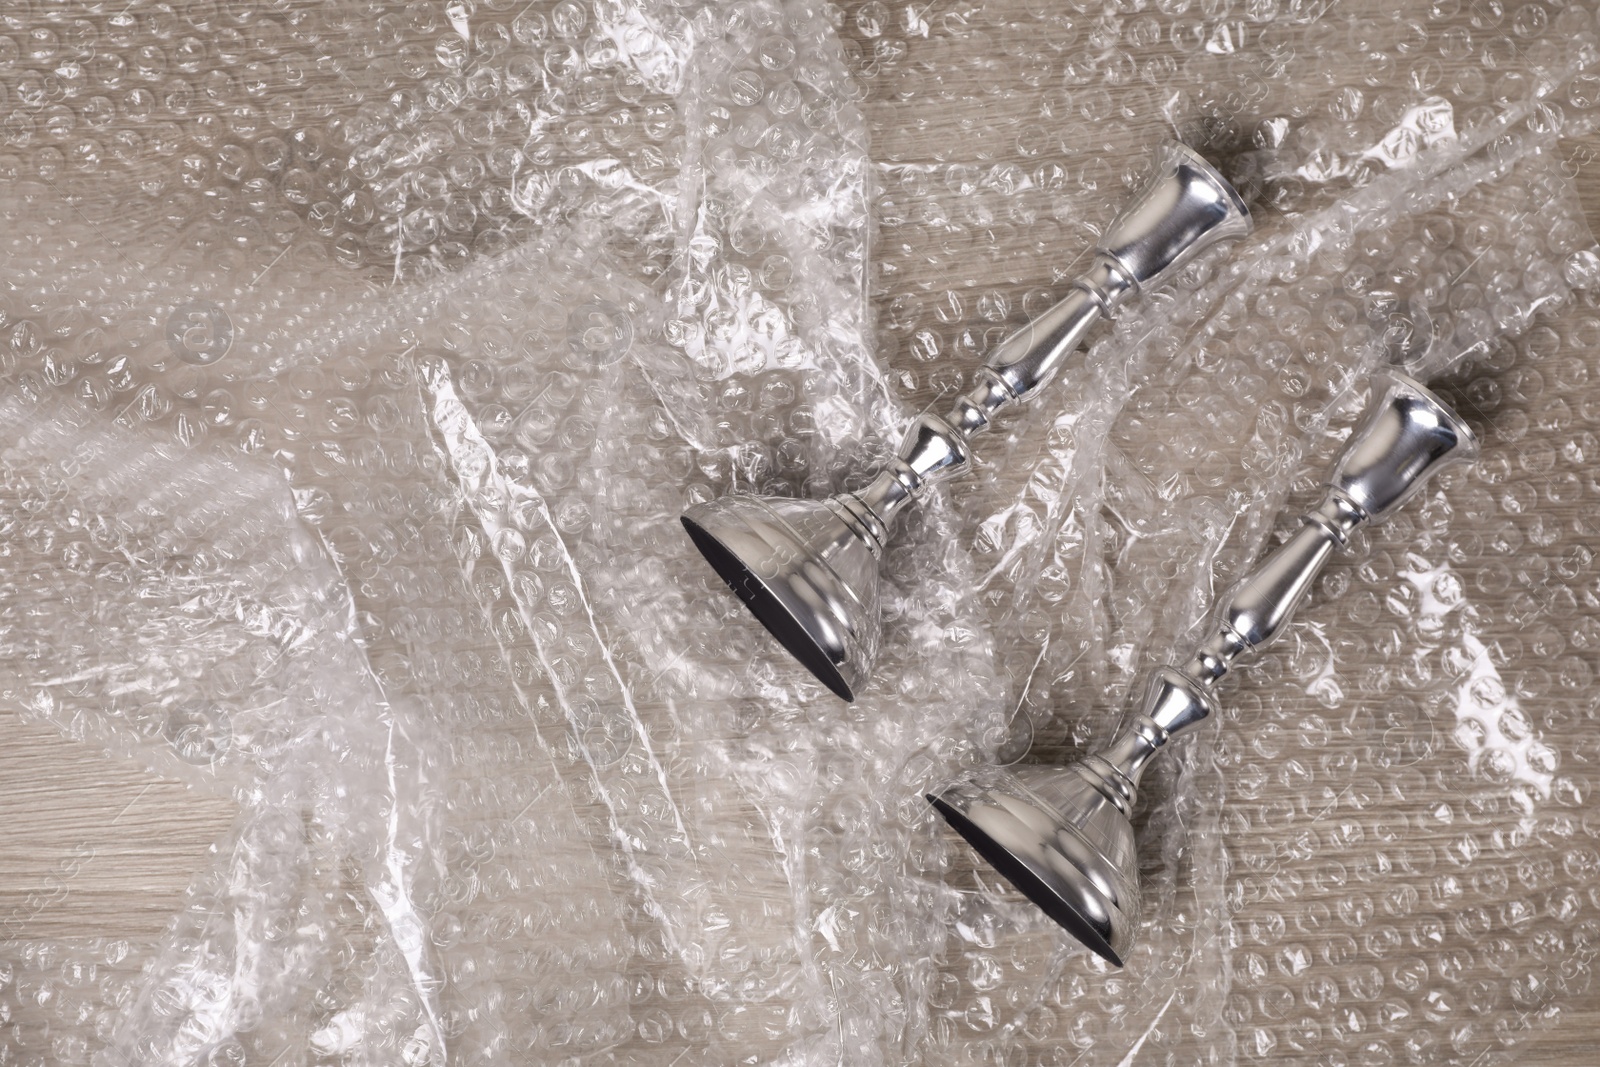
(1062, 835)
(808, 569)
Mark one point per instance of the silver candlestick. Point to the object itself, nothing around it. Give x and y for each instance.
(808, 569)
(1062, 835)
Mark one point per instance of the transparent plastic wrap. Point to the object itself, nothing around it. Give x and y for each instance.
(169, 605)
(500, 289)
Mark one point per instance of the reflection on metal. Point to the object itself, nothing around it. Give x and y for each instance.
(1063, 835)
(808, 569)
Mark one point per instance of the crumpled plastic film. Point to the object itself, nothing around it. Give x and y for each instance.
(170, 605)
(1167, 508)
(500, 288)
(1160, 533)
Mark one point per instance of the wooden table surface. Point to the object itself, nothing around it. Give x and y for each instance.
(90, 847)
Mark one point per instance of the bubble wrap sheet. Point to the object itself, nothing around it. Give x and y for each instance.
(359, 358)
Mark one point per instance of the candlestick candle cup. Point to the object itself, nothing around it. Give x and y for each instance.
(808, 569)
(1063, 836)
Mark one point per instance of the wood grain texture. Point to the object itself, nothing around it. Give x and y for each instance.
(90, 846)
(93, 848)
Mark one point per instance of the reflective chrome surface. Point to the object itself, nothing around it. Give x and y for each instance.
(1400, 442)
(1174, 218)
(804, 572)
(807, 570)
(1062, 835)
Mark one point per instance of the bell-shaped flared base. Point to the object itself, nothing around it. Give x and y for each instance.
(1061, 837)
(806, 575)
